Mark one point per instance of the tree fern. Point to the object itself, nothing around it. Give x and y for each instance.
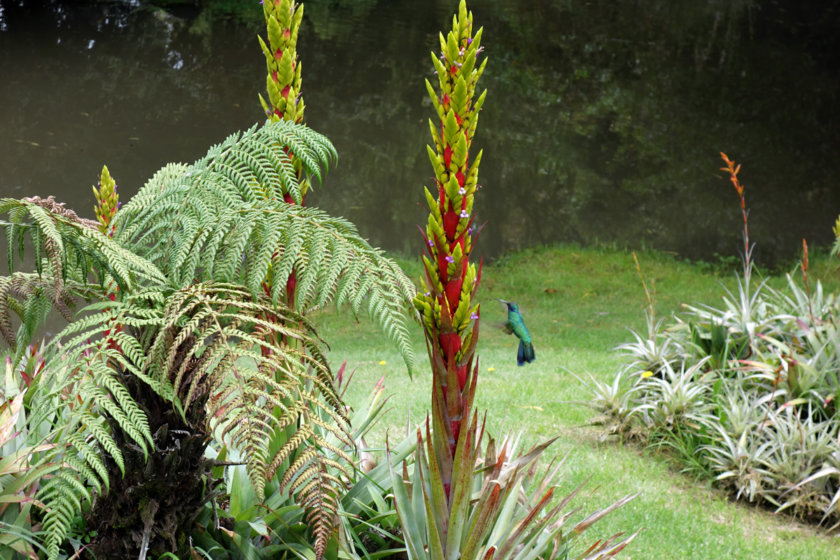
(197, 268)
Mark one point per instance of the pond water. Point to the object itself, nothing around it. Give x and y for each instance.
(603, 120)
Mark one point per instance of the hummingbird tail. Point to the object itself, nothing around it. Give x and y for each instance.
(525, 354)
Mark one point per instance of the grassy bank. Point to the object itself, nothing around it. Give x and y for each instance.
(578, 304)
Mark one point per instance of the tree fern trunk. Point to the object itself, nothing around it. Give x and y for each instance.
(158, 497)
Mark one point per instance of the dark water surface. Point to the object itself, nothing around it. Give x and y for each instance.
(603, 119)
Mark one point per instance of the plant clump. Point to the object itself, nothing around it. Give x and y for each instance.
(745, 393)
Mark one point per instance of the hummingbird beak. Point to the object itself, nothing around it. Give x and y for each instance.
(501, 300)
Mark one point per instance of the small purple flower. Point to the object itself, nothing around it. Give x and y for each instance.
(450, 259)
(464, 214)
(474, 316)
(431, 243)
(469, 41)
(427, 294)
(462, 191)
(119, 203)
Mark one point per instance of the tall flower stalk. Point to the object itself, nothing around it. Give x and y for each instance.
(283, 85)
(450, 318)
(283, 81)
(107, 202)
(459, 501)
(733, 170)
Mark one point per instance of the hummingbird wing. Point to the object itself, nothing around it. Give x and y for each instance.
(505, 326)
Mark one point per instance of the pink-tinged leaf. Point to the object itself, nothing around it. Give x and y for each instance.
(339, 376)
(461, 179)
(462, 477)
(450, 342)
(453, 291)
(586, 523)
(450, 223)
(532, 454)
(436, 504)
(9, 413)
(484, 518)
(793, 402)
(525, 525)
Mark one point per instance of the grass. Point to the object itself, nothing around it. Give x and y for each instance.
(578, 304)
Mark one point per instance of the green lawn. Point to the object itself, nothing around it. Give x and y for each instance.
(578, 304)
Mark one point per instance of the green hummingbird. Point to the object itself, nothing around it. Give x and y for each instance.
(516, 325)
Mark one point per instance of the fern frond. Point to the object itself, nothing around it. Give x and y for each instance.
(71, 246)
(223, 220)
(63, 411)
(30, 296)
(249, 244)
(219, 345)
(62, 496)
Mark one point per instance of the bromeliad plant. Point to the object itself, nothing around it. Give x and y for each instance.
(19, 441)
(460, 502)
(450, 318)
(747, 392)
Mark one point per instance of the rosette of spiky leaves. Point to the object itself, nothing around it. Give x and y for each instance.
(502, 509)
(283, 81)
(21, 457)
(450, 281)
(107, 201)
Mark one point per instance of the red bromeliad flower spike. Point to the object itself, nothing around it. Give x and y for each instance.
(283, 84)
(107, 202)
(283, 19)
(449, 316)
(283, 81)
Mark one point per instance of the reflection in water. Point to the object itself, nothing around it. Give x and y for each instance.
(603, 121)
